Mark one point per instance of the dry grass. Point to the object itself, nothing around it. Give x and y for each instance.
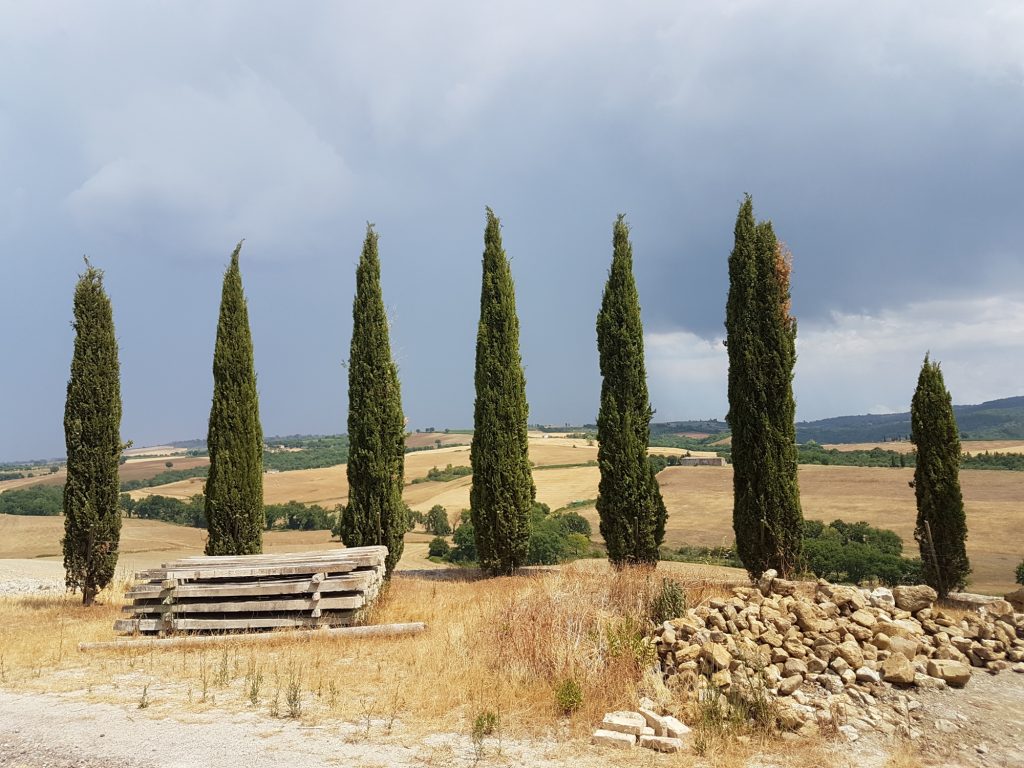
(699, 501)
(497, 644)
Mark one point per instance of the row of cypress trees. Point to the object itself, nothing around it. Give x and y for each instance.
(761, 336)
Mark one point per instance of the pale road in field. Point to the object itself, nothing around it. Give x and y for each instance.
(984, 727)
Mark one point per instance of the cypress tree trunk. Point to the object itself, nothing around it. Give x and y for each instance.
(761, 340)
(629, 501)
(234, 487)
(503, 490)
(375, 513)
(92, 433)
(941, 530)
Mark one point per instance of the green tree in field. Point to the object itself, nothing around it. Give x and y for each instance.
(437, 521)
(375, 513)
(941, 530)
(92, 433)
(629, 501)
(761, 341)
(503, 490)
(234, 486)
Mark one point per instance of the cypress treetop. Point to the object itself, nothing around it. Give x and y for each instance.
(629, 500)
(761, 341)
(375, 513)
(234, 486)
(502, 491)
(941, 530)
(92, 433)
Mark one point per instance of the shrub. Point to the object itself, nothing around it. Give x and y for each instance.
(37, 501)
(669, 602)
(465, 544)
(438, 547)
(575, 523)
(1020, 572)
(568, 696)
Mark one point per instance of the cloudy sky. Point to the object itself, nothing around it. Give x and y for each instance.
(882, 139)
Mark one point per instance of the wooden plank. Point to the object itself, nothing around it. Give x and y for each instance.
(255, 568)
(130, 626)
(253, 606)
(354, 582)
(245, 572)
(373, 553)
(256, 622)
(194, 641)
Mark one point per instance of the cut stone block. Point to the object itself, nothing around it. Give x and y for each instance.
(632, 723)
(662, 744)
(613, 739)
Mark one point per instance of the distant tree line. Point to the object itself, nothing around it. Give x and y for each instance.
(449, 473)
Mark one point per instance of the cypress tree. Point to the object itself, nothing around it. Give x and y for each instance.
(629, 501)
(92, 433)
(234, 486)
(375, 513)
(761, 341)
(941, 530)
(503, 490)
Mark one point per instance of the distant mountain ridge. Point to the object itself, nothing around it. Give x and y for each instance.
(993, 420)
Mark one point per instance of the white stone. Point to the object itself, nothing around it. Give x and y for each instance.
(676, 729)
(613, 739)
(867, 675)
(632, 723)
(662, 744)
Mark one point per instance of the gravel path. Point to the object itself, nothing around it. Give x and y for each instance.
(51, 731)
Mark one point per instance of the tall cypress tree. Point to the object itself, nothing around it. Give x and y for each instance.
(629, 501)
(92, 433)
(761, 341)
(375, 513)
(503, 490)
(234, 487)
(941, 530)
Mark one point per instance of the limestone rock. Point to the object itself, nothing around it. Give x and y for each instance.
(882, 597)
(674, 728)
(654, 721)
(790, 684)
(716, 655)
(632, 723)
(897, 669)
(915, 598)
(953, 672)
(867, 675)
(613, 739)
(765, 582)
(662, 744)
(1016, 598)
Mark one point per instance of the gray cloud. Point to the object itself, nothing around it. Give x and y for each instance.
(882, 140)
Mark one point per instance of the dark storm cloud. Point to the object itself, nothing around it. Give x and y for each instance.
(883, 142)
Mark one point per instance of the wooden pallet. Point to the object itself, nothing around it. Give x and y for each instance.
(254, 592)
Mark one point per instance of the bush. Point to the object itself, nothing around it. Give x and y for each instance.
(295, 516)
(575, 523)
(669, 602)
(856, 552)
(37, 501)
(568, 696)
(1020, 572)
(168, 510)
(438, 547)
(465, 543)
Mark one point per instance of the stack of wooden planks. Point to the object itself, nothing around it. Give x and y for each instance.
(254, 592)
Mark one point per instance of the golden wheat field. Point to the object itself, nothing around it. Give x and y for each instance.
(905, 446)
(699, 500)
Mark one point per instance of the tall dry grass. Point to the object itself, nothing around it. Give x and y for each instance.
(492, 645)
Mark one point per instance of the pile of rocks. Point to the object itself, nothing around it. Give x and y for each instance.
(645, 727)
(832, 655)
